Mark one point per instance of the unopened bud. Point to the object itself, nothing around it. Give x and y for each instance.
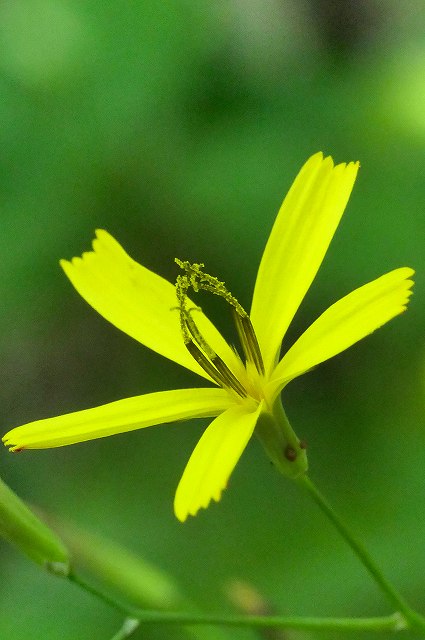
(21, 527)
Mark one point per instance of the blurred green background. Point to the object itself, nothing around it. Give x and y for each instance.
(179, 127)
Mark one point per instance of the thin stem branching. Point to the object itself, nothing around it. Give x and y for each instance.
(404, 617)
(413, 619)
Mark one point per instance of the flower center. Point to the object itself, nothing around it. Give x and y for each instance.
(195, 278)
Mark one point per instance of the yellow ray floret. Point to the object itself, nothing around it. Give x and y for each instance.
(298, 242)
(213, 460)
(346, 322)
(118, 417)
(136, 300)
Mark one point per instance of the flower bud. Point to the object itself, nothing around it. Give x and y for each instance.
(23, 529)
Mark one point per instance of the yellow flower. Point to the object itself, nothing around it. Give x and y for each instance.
(246, 396)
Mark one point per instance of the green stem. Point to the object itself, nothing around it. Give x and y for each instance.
(394, 622)
(387, 623)
(413, 618)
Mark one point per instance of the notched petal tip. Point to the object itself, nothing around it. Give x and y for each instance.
(320, 158)
(406, 272)
(101, 237)
(404, 277)
(407, 289)
(182, 513)
(11, 443)
(343, 175)
(105, 242)
(70, 266)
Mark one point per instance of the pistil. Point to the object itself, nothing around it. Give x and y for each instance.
(199, 348)
(198, 280)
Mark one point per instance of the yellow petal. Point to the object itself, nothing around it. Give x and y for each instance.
(345, 322)
(118, 417)
(213, 459)
(300, 237)
(138, 301)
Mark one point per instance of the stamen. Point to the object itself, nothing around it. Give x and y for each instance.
(194, 333)
(203, 361)
(249, 340)
(228, 379)
(198, 279)
(231, 379)
(197, 346)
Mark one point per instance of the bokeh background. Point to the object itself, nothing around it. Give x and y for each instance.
(179, 128)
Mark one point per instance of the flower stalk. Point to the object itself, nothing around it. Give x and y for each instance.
(403, 619)
(393, 622)
(412, 618)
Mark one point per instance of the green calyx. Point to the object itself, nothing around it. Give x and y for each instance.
(280, 442)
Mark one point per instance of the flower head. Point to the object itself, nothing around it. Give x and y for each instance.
(246, 395)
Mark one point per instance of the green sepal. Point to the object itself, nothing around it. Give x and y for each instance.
(280, 442)
(21, 527)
